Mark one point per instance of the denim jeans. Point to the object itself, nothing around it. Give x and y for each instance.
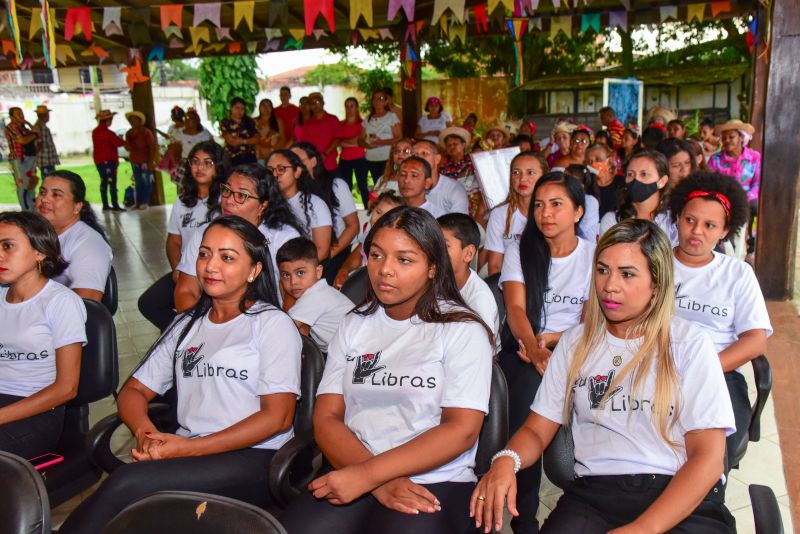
(143, 178)
(108, 177)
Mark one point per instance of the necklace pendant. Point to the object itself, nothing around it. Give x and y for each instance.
(617, 361)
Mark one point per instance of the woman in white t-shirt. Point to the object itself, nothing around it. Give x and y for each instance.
(545, 280)
(382, 129)
(642, 394)
(62, 201)
(507, 221)
(234, 361)
(206, 169)
(435, 120)
(716, 291)
(339, 198)
(403, 396)
(646, 194)
(41, 339)
(305, 198)
(401, 151)
(251, 193)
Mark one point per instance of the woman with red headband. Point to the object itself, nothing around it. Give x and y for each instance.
(717, 291)
(434, 121)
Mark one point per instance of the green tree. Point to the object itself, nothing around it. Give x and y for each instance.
(173, 70)
(340, 73)
(222, 78)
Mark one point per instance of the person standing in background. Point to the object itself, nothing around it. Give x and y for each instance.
(287, 113)
(22, 155)
(46, 153)
(320, 129)
(106, 158)
(353, 157)
(141, 147)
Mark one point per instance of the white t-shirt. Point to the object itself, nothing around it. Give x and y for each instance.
(432, 125)
(450, 195)
(479, 297)
(663, 220)
(223, 369)
(183, 219)
(188, 141)
(620, 438)
(32, 331)
(568, 282)
(434, 209)
(322, 308)
(589, 227)
(397, 376)
(496, 238)
(89, 258)
(346, 204)
(722, 296)
(318, 213)
(380, 127)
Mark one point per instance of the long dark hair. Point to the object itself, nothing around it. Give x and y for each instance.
(626, 209)
(43, 239)
(189, 187)
(78, 189)
(273, 122)
(278, 212)
(420, 226)
(534, 252)
(305, 184)
(372, 109)
(322, 178)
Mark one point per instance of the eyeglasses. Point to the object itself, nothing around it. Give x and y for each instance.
(581, 141)
(238, 196)
(317, 101)
(379, 97)
(201, 163)
(279, 170)
(406, 151)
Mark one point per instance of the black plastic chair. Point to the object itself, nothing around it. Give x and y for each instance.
(762, 374)
(286, 484)
(99, 378)
(493, 282)
(99, 438)
(355, 287)
(171, 512)
(24, 506)
(766, 513)
(111, 293)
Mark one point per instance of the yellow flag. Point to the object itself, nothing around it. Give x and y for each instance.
(509, 5)
(36, 22)
(455, 6)
(444, 26)
(563, 24)
(369, 34)
(297, 33)
(199, 33)
(695, 11)
(360, 8)
(458, 31)
(243, 10)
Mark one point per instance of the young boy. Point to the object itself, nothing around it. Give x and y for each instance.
(387, 201)
(316, 308)
(463, 238)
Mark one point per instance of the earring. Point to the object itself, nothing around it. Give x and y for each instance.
(39, 266)
(250, 280)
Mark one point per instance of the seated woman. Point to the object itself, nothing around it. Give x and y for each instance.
(40, 343)
(681, 159)
(251, 193)
(646, 194)
(508, 220)
(234, 359)
(401, 151)
(545, 281)
(403, 396)
(718, 291)
(206, 169)
(642, 393)
(300, 192)
(62, 201)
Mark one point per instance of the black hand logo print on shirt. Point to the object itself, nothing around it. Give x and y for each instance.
(191, 358)
(366, 366)
(598, 385)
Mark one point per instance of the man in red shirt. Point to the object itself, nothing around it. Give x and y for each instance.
(288, 113)
(106, 158)
(614, 127)
(320, 130)
(142, 147)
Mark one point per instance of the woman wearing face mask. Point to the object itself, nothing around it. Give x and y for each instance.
(609, 184)
(646, 193)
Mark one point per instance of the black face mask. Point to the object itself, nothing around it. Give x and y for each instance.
(640, 191)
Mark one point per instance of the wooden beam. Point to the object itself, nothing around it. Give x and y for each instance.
(142, 97)
(777, 218)
(758, 79)
(411, 100)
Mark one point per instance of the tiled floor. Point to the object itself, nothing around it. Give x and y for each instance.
(138, 241)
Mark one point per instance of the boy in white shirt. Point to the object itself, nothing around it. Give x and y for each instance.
(463, 237)
(316, 308)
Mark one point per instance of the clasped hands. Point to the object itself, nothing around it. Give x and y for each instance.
(539, 354)
(154, 445)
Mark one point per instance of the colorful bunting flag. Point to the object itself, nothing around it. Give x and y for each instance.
(297, 33)
(561, 24)
(223, 33)
(386, 34)
(100, 52)
(173, 31)
(251, 46)
(199, 34)
(695, 11)
(134, 73)
(590, 21)
(279, 10)
(492, 5)
(272, 44)
(293, 43)
(156, 53)
(36, 22)
(209, 12)
(48, 33)
(273, 33)
(408, 6)
(456, 7)
(319, 33)
(171, 15)
(112, 21)
(13, 26)
(481, 24)
(458, 32)
(358, 9)
(176, 42)
(243, 11)
(618, 19)
(63, 53)
(234, 48)
(77, 16)
(367, 34)
(668, 12)
(720, 6)
(313, 8)
(215, 47)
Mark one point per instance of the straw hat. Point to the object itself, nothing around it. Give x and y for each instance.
(138, 114)
(41, 108)
(457, 131)
(735, 124)
(105, 114)
(564, 127)
(507, 128)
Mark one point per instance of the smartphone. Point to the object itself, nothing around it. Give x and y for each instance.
(46, 460)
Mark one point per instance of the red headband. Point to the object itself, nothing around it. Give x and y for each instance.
(722, 199)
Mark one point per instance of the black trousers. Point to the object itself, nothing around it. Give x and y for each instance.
(376, 169)
(32, 436)
(307, 515)
(108, 179)
(595, 505)
(241, 474)
(358, 166)
(157, 303)
(332, 265)
(523, 383)
(737, 389)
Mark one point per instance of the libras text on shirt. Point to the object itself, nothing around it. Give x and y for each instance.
(367, 370)
(6, 354)
(688, 304)
(555, 298)
(597, 387)
(191, 367)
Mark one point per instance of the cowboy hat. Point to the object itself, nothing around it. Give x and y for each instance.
(457, 131)
(735, 124)
(105, 114)
(506, 127)
(564, 127)
(41, 108)
(137, 114)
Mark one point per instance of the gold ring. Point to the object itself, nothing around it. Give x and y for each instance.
(481, 498)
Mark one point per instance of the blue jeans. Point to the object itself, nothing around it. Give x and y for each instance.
(143, 178)
(108, 177)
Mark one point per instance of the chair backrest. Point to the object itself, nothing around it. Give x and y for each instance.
(111, 294)
(24, 506)
(169, 512)
(99, 361)
(494, 433)
(559, 459)
(493, 282)
(355, 287)
(762, 374)
(766, 512)
(310, 376)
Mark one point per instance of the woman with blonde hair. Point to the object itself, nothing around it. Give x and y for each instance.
(642, 394)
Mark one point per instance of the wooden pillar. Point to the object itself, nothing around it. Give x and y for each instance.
(411, 100)
(758, 80)
(142, 97)
(777, 217)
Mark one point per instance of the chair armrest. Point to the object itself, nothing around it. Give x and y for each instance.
(762, 374)
(766, 512)
(98, 440)
(292, 456)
